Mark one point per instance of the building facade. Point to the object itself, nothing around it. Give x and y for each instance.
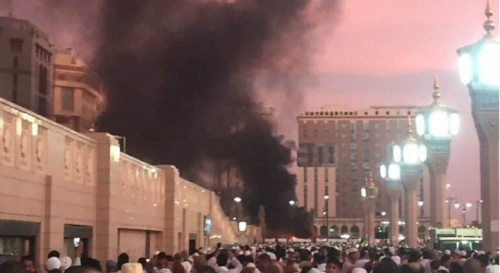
(78, 92)
(27, 66)
(316, 190)
(61, 188)
(354, 143)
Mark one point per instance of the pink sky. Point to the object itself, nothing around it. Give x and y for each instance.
(387, 52)
(383, 52)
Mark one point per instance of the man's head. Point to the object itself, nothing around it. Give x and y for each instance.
(473, 266)
(222, 258)
(445, 260)
(263, 261)
(111, 267)
(122, 259)
(353, 254)
(162, 260)
(81, 269)
(483, 259)
(54, 253)
(29, 264)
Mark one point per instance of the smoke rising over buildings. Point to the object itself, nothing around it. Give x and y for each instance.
(181, 75)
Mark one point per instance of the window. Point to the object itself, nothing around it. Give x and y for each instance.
(320, 155)
(67, 98)
(16, 45)
(309, 155)
(331, 155)
(43, 77)
(15, 63)
(42, 106)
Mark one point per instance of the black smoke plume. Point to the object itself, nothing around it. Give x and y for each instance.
(180, 78)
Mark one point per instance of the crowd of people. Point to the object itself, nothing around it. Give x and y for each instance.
(276, 258)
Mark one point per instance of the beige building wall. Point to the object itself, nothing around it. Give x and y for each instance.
(313, 184)
(59, 185)
(356, 143)
(78, 92)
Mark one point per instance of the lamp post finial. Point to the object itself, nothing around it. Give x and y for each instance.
(436, 95)
(488, 25)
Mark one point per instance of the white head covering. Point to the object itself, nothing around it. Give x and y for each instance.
(65, 263)
(251, 265)
(392, 250)
(396, 259)
(359, 270)
(463, 253)
(187, 266)
(447, 252)
(352, 250)
(53, 263)
(272, 256)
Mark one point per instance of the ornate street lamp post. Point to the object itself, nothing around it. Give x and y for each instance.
(479, 69)
(369, 193)
(392, 175)
(410, 154)
(436, 124)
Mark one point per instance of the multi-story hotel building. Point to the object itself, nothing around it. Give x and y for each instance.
(26, 66)
(78, 93)
(338, 148)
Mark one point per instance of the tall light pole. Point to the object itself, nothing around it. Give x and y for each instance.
(479, 203)
(369, 194)
(326, 197)
(449, 201)
(392, 175)
(479, 69)
(411, 155)
(420, 205)
(436, 124)
(237, 199)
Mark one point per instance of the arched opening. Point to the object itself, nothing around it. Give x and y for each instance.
(315, 231)
(355, 231)
(401, 229)
(387, 229)
(323, 231)
(334, 230)
(344, 230)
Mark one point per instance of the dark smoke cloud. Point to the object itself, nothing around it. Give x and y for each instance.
(181, 80)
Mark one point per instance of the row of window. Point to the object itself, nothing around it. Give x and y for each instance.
(352, 113)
